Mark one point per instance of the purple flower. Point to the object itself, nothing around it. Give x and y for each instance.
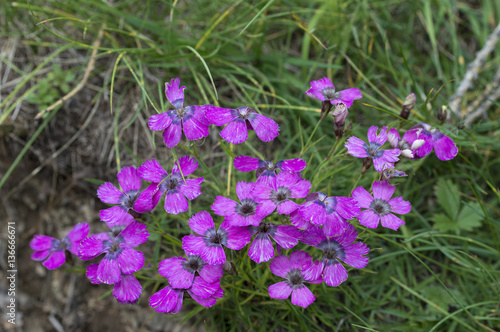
(380, 206)
(443, 146)
(381, 158)
(128, 198)
(293, 271)
(406, 148)
(127, 291)
(249, 212)
(331, 212)
(323, 89)
(209, 244)
(261, 249)
(170, 299)
(266, 170)
(120, 258)
(177, 187)
(240, 121)
(336, 249)
(52, 251)
(279, 190)
(180, 271)
(191, 119)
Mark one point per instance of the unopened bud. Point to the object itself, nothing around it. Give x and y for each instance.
(367, 163)
(442, 113)
(230, 268)
(339, 129)
(325, 108)
(409, 103)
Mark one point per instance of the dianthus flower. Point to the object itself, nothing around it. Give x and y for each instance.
(249, 212)
(127, 291)
(331, 212)
(177, 187)
(381, 158)
(120, 258)
(180, 271)
(266, 169)
(293, 271)
(380, 206)
(324, 89)
(336, 249)
(128, 198)
(209, 244)
(52, 251)
(191, 119)
(406, 148)
(443, 146)
(240, 121)
(277, 192)
(170, 299)
(261, 249)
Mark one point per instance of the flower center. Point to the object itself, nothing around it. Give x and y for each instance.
(244, 112)
(129, 198)
(193, 263)
(180, 112)
(380, 207)
(247, 207)
(171, 183)
(330, 254)
(295, 277)
(263, 227)
(114, 247)
(216, 239)
(280, 195)
(330, 94)
(270, 166)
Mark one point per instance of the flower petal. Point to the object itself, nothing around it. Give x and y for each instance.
(383, 190)
(368, 218)
(174, 93)
(362, 196)
(235, 132)
(151, 170)
(391, 221)
(129, 179)
(109, 194)
(108, 271)
(161, 121)
(265, 128)
(302, 297)
(130, 260)
(280, 290)
(201, 222)
(175, 203)
(220, 116)
(444, 147)
(356, 147)
(187, 164)
(261, 249)
(56, 259)
(334, 273)
(172, 135)
(127, 290)
(247, 164)
(400, 206)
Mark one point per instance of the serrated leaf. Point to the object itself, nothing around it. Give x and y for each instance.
(445, 224)
(448, 197)
(470, 217)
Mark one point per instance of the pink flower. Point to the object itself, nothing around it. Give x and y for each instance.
(380, 206)
(324, 89)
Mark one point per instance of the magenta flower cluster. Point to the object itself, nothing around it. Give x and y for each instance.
(279, 193)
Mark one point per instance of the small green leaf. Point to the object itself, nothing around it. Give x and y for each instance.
(448, 197)
(470, 217)
(445, 224)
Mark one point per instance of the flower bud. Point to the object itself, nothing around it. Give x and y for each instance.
(325, 108)
(442, 113)
(409, 103)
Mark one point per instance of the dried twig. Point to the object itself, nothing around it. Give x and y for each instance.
(473, 70)
(481, 110)
(86, 74)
